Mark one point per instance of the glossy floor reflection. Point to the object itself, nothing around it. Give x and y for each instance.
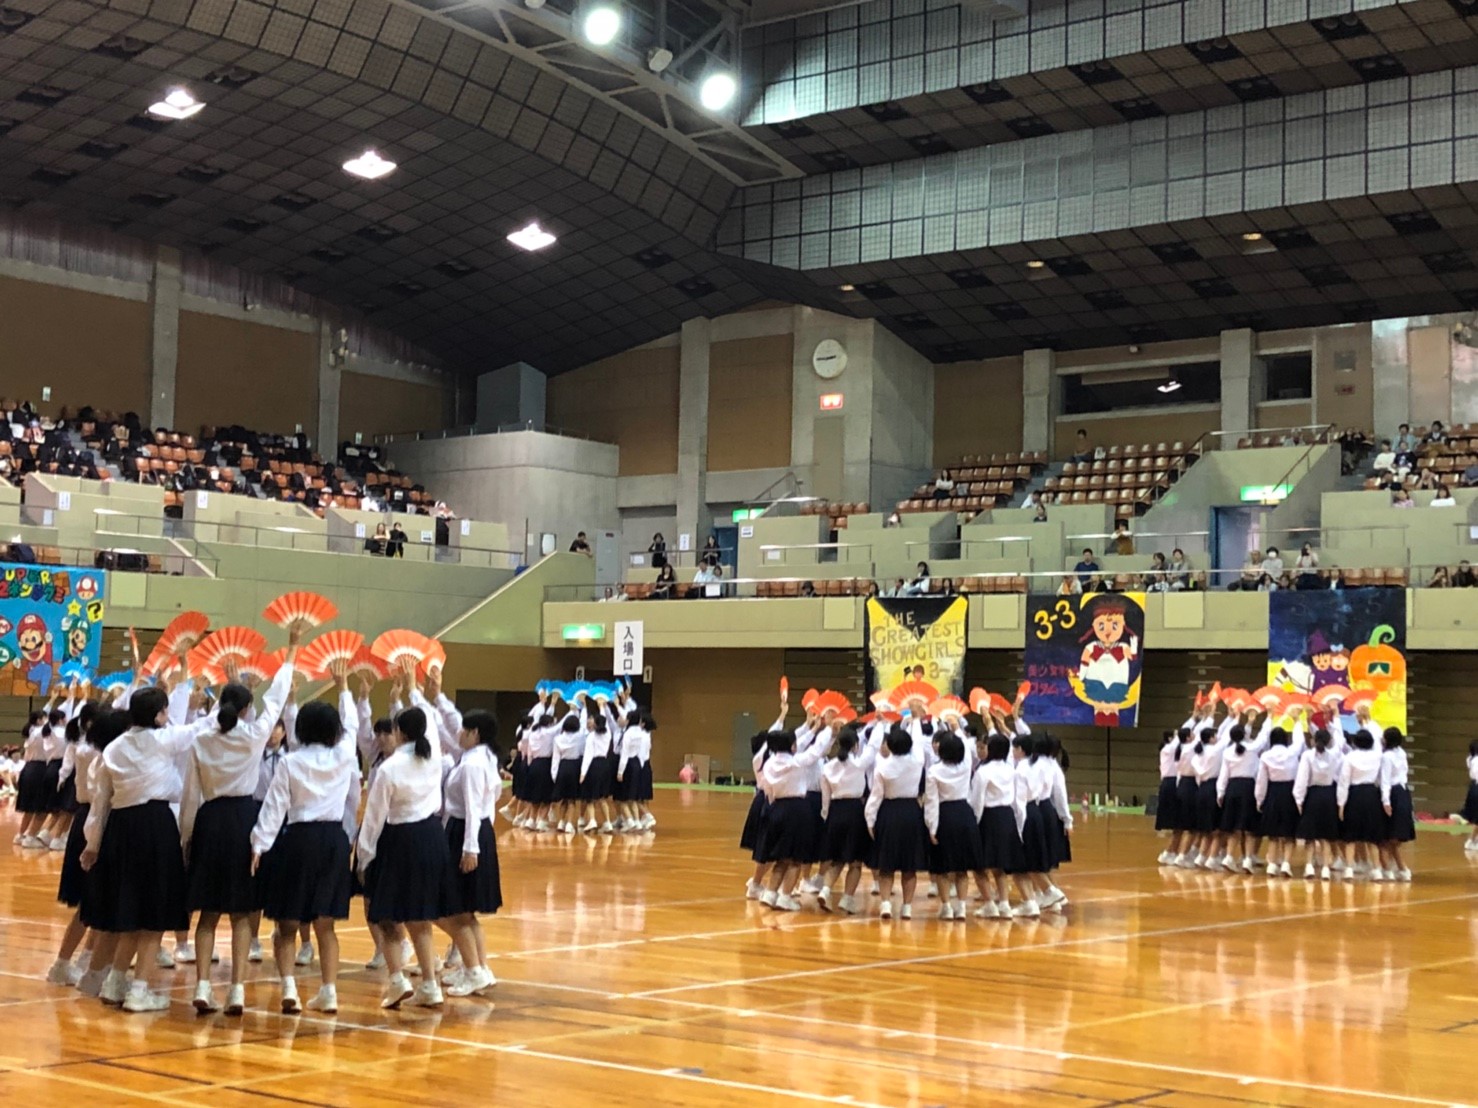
(633, 973)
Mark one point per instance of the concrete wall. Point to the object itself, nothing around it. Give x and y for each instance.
(529, 481)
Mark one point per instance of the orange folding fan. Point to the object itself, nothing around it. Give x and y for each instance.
(1023, 689)
(1270, 699)
(395, 645)
(915, 695)
(1331, 696)
(880, 701)
(262, 666)
(365, 665)
(1236, 700)
(1360, 698)
(946, 706)
(183, 632)
(979, 701)
(829, 701)
(229, 642)
(435, 659)
(808, 698)
(1215, 693)
(784, 686)
(307, 608)
(330, 650)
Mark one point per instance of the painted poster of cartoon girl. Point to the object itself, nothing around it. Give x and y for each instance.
(1108, 662)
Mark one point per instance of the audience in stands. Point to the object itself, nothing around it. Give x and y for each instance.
(1385, 459)
(712, 552)
(707, 579)
(1087, 567)
(395, 548)
(1436, 435)
(944, 485)
(1252, 573)
(1179, 575)
(808, 590)
(1443, 499)
(379, 541)
(658, 550)
(665, 587)
(1121, 542)
(1402, 499)
(1308, 568)
(1041, 514)
(1440, 579)
(581, 545)
(1156, 580)
(1272, 563)
(921, 584)
(1083, 451)
(1070, 585)
(1465, 578)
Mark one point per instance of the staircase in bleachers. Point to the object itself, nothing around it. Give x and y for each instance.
(981, 482)
(1131, 478)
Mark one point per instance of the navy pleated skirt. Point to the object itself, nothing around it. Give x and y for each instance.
(538, 784)
(1239, 806)
(1059, 847)
(597, 783)
(1000, 841)
(1279, 816)
(754, 822)
(1320, 819)
(1165, 808)
(51, 782)
(410, 879)
(1401, 823)
(480, 891)
(218, 875)
(1185, 803)
(900, 839)
(1208, 815)
(789, 832)
(1036, 856)
(1365, 818)
(138, 883)
(845, 840)
(957, 847)
(1470, 805)
(567, 780)
(306, 875)
(73, 883)
(30, 789)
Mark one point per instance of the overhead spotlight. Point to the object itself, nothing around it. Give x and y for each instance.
(1171, 385)
(602, 25)
(177, 104)
(717, 91)
(658, 58)
(369, 165)
(533, 237)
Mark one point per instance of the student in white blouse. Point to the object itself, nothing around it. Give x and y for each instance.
(1470, 802)
(1273, 792)
(1362, 822)
(133, 844)
(305, 864)
(1318, 806)
(596, 778)
(217, 813)
(900, 839)
(1236, 793)
(999, 805)
(790, 831)
(954, 831)
(1396, 801)
(564, 769)
(845, 845)
(404, 859)
(472, 790)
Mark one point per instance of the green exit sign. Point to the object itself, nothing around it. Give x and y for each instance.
(1265, 494)
(742, 514)
(582, 632)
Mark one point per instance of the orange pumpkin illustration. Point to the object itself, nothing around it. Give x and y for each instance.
(1377, 665)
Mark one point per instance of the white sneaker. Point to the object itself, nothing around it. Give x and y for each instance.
(768, 898)
(1229, 863)
(946, 911)
(1187, 861)
(1471, 846)
(205, 1000)
(377, 962)
(113, 988)
(474, 982)
(397, 990)
(906, 912)
(1403, 874)
(787, 904)
(812, 885)
(959, 908)
(876, 889)
(1377, 874)
(1054, 895)
(1286, 870)
(57, 975)
(291, 1005)
(32, 842)
(1272, 869)
(184, 953)
(541, 825)
(848, 906)
(823, 898)
(305, 955)
(607, 829)
(428, 995)
(1324, 874)
(325, 1000)
(141, 999)
(988, 910)
(235, 1000)
(58, 843)
(255, 953)
(885, 910)
(164, 960)
(1349, 874)
(1027, 908)
(648, 822)
(1337, 865)
(92, 982)
(751, 890)
(933, 890)
(1164, 858)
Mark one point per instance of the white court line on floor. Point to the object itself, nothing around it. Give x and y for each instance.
(1090, 940)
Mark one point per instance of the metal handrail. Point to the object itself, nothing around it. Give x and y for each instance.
(469, 429)
(318, 540)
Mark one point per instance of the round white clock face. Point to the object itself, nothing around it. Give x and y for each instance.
(829, 358)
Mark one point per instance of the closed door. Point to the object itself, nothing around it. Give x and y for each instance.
(827, 455)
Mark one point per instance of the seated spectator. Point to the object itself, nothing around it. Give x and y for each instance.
(665, 587)
(1470, 476)
(1272, 563)
(1041, 516)
(1086, 568)
(581, 545)
(1284, 581)
(1385, 459)
(1443, 499)
(1033, 499)
(808, 590)
(1436, 435)
(944, 486)
(395, 548)
(1082, 450)
(873, 590)
(1428, 480)
(1155, 579)
(1464, 578)
(1402, 499)
(898, 589)
(1070, 585)
(377, 543)
(1199, 581)
(1405, 442)
(709, 578)
(920, 585)
(1252, 574)
(1122, 542)
(1308, 568)
(1179, 574)
(1440, 579)
(893, 520)
(947, 588)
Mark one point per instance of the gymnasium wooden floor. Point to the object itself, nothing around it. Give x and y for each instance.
(634, 974)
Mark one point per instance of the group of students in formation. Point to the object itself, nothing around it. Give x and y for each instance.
(1277, 776)
(583, 762)
(910, 789)
(166, 811)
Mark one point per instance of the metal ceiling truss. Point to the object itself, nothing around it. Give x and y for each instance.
(701, 35)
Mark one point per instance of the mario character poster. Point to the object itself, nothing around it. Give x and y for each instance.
(1084, 658)
(50, 616)
(1351, 639)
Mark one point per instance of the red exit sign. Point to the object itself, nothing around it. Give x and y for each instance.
(831, 401)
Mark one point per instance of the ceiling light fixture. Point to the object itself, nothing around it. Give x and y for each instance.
(533, 237)
(848, 288)
(369, 165)
(601, 25)
(1252, 236)
(658, 58)
(717, 91)
(177, 104)
(1171, 385)
(1036, 263)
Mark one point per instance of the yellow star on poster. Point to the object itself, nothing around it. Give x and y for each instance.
(74, 609)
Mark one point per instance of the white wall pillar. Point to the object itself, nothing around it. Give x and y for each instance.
(326, 431)
(1041, 399)
(692, 434)
(165, 290)
(1241, 383)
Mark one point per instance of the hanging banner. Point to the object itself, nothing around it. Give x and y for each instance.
(51, 626)
(919, 638)
(1084, 655)
(1355, 638)
(628, 654)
